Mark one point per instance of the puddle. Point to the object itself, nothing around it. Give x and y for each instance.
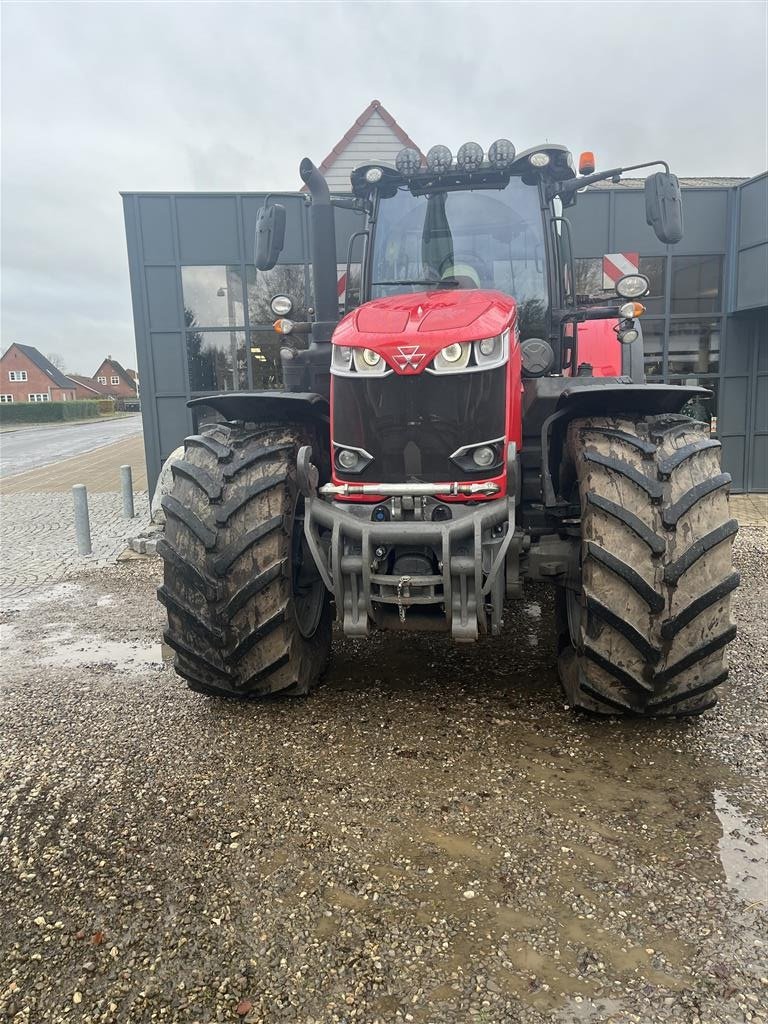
(606, 1011)
(88, 649)
(743, 852)
(55, 592)
(572, 859)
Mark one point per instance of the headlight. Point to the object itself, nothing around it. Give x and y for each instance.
(453, 358)
(452, 353)
(469, 357)
(502, 153)
(632, 286)
(408, 161)
(370, 362)
(439, 159)
(490, 351)
(281, 305)
(470, 156)
(349, 459)
(626, 333)
(342, 358)
(483, 455)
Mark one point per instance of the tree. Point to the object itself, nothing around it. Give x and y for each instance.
(57, 359)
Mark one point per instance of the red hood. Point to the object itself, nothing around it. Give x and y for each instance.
(429, 320)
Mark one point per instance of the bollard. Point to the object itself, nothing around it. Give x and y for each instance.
(126, 483)
(82, 522)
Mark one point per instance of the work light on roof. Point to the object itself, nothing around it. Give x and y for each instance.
(539, 159)
(501, 154)
(470, 156)
(408, 161)
(439, 159)
(373, 174)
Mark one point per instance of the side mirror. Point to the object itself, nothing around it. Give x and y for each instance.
(270, 236)
(664, 207)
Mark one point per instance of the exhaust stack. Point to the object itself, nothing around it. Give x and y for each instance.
(323, 250)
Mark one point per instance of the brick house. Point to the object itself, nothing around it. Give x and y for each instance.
(85, 387)
(112, 380)
(27, 376)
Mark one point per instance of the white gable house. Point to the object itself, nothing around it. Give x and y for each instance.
(375, 136)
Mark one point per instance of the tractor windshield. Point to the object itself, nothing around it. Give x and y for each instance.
(479, 239)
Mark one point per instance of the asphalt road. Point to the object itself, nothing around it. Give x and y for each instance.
(29, 448)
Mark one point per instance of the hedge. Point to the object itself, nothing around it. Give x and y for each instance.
(47, 412)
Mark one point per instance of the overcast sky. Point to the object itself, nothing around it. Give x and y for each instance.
(98, 98)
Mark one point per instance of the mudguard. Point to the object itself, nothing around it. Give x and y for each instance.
(602, 396)
(269, 406)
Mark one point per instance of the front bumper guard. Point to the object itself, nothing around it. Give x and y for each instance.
(471, 556)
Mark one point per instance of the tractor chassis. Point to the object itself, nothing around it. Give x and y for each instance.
(351, 551)
(479, 560)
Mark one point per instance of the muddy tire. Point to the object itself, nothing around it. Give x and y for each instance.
(645, 628)
(248, 615)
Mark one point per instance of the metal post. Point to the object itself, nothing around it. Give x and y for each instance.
(82, 522)
(126, 483)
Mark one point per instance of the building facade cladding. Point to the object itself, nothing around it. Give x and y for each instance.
(24, 378)
(707, 308)
(203, 323)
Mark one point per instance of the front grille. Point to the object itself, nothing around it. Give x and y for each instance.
(412, 424)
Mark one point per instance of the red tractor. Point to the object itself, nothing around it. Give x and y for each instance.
(446, 440)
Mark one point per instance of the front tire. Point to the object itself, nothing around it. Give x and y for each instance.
(645, 626)
(248, 614)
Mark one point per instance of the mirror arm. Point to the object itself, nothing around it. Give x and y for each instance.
(567, 188)
(358, 205)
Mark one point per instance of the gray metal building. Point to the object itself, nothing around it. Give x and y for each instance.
(203, 324)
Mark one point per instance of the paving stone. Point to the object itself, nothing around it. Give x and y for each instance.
(37, 535)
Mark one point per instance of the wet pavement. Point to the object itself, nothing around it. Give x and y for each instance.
(31, 447)
(431, 837)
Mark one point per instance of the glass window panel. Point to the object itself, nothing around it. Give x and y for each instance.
(349, 291)
(217, 361)
(265, 358)
(696, 284)
(694, 346)
(653, 268)
(589, 281)
(589, 278)
(703, 408)
(213, 296)
(653, 346)
(285, 279)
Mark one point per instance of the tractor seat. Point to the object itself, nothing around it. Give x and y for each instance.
(461, 275)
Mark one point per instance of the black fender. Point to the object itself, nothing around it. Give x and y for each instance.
(270, 407)
(602, 396)
(305, 408)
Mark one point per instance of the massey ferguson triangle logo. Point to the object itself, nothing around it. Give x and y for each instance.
(409, 357)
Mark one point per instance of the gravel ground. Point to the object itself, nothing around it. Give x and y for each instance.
(431, 837)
